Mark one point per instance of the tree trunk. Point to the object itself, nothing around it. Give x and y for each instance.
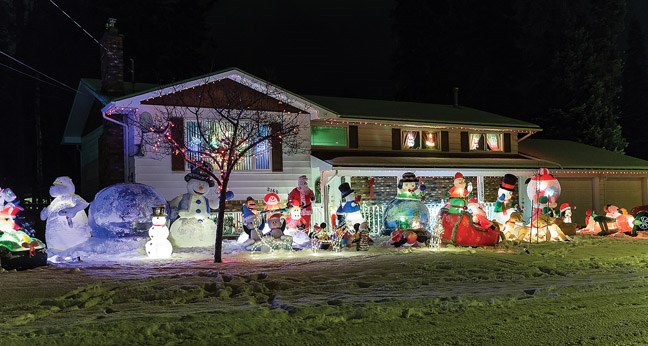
(222, 199)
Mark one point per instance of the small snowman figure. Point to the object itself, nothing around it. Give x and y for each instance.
(159, 246)
(67, 222)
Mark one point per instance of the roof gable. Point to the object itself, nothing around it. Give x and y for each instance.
(275, 95)
(223, 93)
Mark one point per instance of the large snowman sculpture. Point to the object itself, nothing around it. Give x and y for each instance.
(159, 246)
(66, 220)
(193, 228)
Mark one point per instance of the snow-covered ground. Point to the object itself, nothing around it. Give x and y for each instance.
(585, 291)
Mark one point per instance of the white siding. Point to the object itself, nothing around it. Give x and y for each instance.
(158, 174)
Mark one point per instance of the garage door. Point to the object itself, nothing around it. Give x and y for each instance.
(578, 193)
(624, 193)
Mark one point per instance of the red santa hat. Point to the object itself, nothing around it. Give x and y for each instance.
(9, 211)
(543, 174)
(458, 175)
(564, 207)
(271, 198)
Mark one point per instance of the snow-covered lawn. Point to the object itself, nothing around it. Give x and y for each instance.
(586, 291)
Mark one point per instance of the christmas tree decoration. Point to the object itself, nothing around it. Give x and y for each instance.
(159, 246)
(66, 220)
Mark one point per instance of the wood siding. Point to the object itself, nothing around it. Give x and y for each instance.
(372, 137)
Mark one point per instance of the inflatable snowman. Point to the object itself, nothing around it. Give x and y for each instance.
(193, 227)
(66, 220)
(159, 246)
(503, 205)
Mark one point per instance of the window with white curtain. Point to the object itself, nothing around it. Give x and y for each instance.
(486, 142)
(428, 140)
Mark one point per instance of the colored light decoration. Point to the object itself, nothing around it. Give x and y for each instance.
(159, 246)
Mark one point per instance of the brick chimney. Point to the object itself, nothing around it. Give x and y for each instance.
(112, 60)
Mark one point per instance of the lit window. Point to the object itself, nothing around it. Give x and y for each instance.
(257, 158)
(329, 136)
(428, 140)
(486, 142)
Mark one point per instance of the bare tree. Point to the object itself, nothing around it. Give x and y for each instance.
(233, 125)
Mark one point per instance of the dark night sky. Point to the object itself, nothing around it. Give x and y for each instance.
(328, 47)
(340, 48)
(333, 47)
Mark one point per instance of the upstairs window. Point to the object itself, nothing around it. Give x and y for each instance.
(486, 142)
(428, 140)
(329, 136)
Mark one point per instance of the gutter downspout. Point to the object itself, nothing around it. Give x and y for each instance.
(125, 126)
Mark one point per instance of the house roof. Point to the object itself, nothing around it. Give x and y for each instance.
(89, 92)
(413, 159)
(533, 153)
(416, 112)
(574, 155)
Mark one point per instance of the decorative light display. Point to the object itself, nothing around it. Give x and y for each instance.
(159, 246)
(20, 250)
(543, 184)
(406, 210)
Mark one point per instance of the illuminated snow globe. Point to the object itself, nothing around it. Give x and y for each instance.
(406, 210)
(543, 184)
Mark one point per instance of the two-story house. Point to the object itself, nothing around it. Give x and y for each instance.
(368, 143)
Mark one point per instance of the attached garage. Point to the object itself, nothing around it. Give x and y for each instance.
(578, 193)
(622, 192)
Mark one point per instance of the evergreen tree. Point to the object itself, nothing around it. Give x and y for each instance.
(587, 76)
(554, 63)
(635, 89)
